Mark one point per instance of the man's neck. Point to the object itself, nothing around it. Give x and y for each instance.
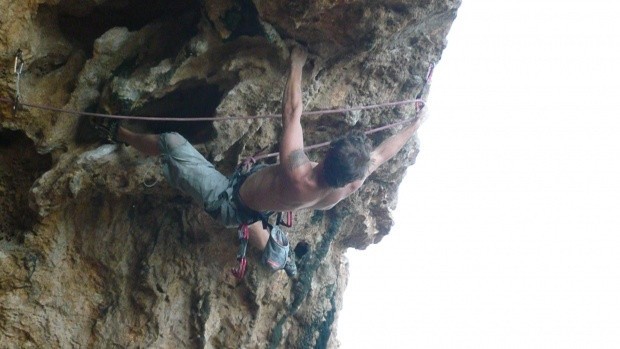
(317, 176)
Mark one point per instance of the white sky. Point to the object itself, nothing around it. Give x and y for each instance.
(508, 226)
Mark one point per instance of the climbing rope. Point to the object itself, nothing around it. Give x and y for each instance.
(19, 64)
(324, 144)
(206, 118)
(419, 104)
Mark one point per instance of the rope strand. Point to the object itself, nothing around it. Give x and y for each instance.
(419, 104)
(320, 145)
(217, 118)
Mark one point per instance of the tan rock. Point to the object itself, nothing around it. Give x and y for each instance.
(90, 256)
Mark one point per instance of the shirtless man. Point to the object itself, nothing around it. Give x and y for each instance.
(292, 184)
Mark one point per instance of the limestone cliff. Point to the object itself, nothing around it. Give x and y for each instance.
(93, 255)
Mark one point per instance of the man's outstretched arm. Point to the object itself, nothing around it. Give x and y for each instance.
(391, 146)
(292, 155)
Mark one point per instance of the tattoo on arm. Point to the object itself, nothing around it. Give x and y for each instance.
(297, 158)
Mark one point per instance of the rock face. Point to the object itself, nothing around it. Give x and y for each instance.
(97, 251)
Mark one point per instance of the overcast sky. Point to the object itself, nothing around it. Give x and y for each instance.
(507, 229)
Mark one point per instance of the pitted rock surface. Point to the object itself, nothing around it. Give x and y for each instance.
(96, 250)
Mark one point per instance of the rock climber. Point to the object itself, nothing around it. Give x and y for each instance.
(294, 183)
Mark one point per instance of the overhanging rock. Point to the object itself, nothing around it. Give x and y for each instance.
(90, 256)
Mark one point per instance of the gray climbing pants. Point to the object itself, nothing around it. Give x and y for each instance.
(187, 170)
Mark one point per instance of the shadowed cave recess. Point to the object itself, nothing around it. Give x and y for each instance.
(20, 166)
(176, 22)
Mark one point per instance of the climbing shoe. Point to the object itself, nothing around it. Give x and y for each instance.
(291, 267)
(107, 128)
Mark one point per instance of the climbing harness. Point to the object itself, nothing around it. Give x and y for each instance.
(276, 254)
(243, 171)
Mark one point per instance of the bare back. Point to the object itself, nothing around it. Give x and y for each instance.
(271, 189)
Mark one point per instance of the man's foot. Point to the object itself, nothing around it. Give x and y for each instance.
(291, 267)
(107, 128)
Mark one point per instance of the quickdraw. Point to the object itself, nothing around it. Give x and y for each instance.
(18, 67)
(285, 223)
(244, 235)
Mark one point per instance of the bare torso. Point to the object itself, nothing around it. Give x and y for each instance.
(296, 182)
(271, 190)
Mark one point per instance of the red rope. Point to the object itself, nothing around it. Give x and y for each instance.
(219, 118)
(320, 145)
(418, 102)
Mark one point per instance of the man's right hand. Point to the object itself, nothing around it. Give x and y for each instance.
(298, 55)
(389, 147)
(421, 116)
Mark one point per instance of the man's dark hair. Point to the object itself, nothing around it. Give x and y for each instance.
(347, 159)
